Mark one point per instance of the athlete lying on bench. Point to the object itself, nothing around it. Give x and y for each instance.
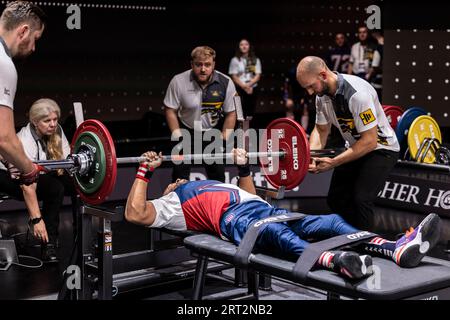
(227, 211)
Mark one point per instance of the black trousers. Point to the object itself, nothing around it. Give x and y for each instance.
(355, 186)
(50, 189)
(248, 101)
(214, 171)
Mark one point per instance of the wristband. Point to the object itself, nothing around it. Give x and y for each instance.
(34, 221)
(244, 170)
(144, 173)
(32, 176)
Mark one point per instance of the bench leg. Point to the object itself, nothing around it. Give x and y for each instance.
(240, 278)
(265, 282)
(199, 279)
(253, 284)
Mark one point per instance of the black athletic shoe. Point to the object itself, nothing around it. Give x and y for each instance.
(352, 265)
(414, 245)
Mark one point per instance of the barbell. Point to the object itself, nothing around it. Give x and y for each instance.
(93, 162)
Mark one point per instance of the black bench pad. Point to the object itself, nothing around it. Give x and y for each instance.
(389, 281)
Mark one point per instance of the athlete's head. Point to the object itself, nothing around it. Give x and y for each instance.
(171, 187)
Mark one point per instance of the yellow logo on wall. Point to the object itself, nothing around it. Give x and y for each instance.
(367, 116)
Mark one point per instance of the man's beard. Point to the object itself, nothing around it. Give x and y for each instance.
(203, 81)
(325, 89)
(21, 52)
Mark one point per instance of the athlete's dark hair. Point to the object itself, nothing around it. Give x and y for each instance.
(251, 52)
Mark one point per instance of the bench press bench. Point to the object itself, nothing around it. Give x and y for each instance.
(430, 280)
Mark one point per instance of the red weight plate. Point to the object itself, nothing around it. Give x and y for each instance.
(109, 181)
(292, 169)
(393, 114)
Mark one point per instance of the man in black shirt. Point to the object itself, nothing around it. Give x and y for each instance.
(338, 57)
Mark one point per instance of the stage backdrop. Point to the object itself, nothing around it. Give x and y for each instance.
(119, 63)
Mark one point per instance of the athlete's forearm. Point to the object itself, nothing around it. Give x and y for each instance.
(31, 201)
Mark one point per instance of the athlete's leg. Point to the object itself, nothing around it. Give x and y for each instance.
(322, 227)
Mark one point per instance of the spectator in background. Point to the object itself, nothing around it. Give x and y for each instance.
(364, 58)
(338, 57)
(377, 81)
(245, 70)
(299, 106)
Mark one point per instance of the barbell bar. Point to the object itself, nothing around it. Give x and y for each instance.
(73, 161)
(198, 157)
(93, 162)
(81, 163)
(49, 165)
(250, 155)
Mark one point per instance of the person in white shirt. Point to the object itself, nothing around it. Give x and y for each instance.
(229, 211)
(351, 104)
(21, 25)
(364, 57)
(42, 139)
(245, 70)
(200, 100)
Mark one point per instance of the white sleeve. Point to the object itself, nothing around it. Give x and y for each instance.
(234, 66)
(258, 67)
(172, 98)
(363, 111)
(8, 82)
(168, 213)
(353, 54)
(228, 105)
(321, 119)
(376, 59)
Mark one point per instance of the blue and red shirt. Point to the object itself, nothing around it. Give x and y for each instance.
(199, 205)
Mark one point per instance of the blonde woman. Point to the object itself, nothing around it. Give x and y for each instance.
(42, 139)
